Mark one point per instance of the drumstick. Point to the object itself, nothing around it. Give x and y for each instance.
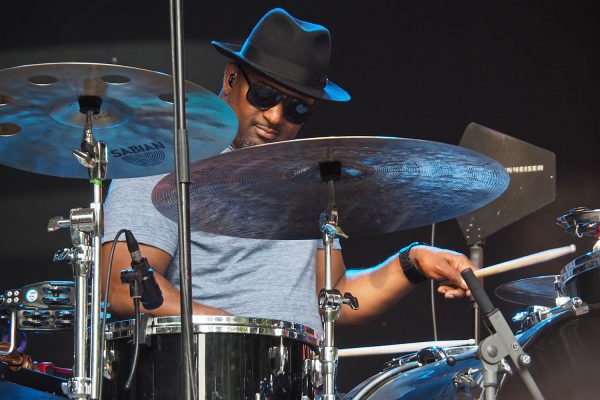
(531, 259)
(401, 348)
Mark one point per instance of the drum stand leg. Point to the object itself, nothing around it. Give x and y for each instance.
(330, 299)
(87, 228)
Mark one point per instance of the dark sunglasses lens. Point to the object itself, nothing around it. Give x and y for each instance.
(297, 111)
(263, 96)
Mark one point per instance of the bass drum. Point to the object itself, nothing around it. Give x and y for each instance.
(564, 349)
(240, 358)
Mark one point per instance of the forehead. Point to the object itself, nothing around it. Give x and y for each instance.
(258, 77)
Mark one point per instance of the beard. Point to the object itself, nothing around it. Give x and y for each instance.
(248, 137)
(241, 142)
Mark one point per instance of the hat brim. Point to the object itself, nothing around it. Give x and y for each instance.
(331, 91)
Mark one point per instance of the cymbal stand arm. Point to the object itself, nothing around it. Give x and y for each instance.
(330, 299)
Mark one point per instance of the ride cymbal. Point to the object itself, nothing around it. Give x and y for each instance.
(275, 191)
(40, 121)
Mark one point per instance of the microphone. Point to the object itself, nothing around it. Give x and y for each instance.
(151, 294)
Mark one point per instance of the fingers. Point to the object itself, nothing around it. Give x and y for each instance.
(451, 270)
(450, 292)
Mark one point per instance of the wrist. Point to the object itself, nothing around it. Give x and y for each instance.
(410, 270)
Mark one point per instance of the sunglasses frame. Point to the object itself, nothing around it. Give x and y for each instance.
(289, 102)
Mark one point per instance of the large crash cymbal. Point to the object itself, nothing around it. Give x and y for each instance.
(533, 291)
(275, 191)
(40, 122)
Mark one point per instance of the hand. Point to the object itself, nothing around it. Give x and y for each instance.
(440, 264)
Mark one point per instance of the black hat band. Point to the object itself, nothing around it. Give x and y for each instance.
(294, 72)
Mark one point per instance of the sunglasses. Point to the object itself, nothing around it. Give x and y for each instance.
(263, 97)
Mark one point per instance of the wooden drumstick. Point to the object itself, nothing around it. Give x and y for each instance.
(531, 259)
(401, 348)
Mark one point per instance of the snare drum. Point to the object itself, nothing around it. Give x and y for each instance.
(238, 358)
(564, 349)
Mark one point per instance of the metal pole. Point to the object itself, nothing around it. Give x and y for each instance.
(81, 267)
(96, 334)
(183, 182)
(476, 256)
(432, 292)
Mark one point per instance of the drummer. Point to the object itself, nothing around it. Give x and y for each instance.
(272, 85)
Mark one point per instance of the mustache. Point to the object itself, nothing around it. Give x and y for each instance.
(268, 127)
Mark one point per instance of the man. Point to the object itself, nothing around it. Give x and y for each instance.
(271, 85)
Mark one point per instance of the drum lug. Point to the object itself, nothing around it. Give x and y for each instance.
(279, 359)
(110, 356)
(579, 307)
(311, 375)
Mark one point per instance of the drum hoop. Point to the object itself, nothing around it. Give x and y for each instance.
(218, 324)
(578, 266)
(531, 334)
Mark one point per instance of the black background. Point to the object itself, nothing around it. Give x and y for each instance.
(418, 69)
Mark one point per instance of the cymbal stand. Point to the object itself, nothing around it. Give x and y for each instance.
(330, 299)
(87, 227)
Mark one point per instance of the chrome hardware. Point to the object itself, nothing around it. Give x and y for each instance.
(279, 359)
(578, 306)
(56, 223)
(77, 388)
(432, 354)
(110, 356)
(311, 370)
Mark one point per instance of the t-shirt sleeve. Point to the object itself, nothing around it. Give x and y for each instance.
(337, 244)
(129, 206)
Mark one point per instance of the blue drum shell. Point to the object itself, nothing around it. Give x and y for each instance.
(564, 349)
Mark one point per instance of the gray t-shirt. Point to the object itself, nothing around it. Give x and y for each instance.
(272, 279)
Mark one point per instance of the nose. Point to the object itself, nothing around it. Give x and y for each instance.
(274, 114)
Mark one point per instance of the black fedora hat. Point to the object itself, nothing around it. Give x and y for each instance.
(291, 52)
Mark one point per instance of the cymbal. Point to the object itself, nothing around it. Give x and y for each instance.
(534, 291)
(275, 191)
(40, 122)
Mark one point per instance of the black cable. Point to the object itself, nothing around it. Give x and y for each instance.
(136, 343)
(105, 308)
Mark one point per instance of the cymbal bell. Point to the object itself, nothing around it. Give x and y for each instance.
(40, 121)
(275, 191)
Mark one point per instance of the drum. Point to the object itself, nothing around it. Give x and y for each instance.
(237, 359)
(564, 348)
(581, 278)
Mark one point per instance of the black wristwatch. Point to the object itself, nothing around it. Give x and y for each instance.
(413, 274)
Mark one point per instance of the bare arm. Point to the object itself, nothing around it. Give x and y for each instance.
(380, 287)
(118, 297)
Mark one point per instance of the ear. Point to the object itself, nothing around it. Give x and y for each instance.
(226, 88)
